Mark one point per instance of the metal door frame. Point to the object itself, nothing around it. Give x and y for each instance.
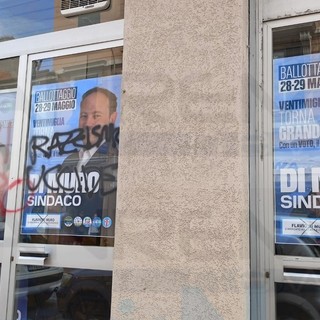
(71, 41)
(266, 267)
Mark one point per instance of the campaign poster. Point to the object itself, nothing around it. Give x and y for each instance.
(296, 146)
(70, 180)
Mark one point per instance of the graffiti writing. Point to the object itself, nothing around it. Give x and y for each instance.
(66, 179)
(62, 178)
(69, 142)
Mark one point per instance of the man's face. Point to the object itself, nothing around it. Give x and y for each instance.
(95, 110)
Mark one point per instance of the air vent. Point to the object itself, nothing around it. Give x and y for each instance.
(77, 7)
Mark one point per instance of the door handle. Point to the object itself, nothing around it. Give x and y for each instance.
(301, 275)
(32, 255)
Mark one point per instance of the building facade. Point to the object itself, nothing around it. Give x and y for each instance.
(158, 160)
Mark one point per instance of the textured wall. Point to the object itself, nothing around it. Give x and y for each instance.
(182, 236)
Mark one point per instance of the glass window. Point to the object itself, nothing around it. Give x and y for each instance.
(62, 293)
(72, 156)
(23, 18)
(297, 301)
(296, 139)
(8, 84)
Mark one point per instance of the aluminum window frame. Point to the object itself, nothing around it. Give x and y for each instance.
(266, 267)
(70, 41)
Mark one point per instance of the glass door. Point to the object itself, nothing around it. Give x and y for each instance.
(64, 195)
(10, 68)
(291, 167)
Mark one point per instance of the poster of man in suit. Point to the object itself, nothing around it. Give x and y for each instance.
(72, 159)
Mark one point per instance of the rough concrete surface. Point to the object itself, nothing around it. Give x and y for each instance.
(182, 235)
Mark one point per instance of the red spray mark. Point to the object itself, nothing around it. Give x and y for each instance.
(3, 200)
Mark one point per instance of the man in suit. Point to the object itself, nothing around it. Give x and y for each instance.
(96, 166)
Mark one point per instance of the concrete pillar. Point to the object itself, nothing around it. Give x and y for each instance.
(182, 234)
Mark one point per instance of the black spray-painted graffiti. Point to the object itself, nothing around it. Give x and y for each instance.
(73, 139)
(64, 178)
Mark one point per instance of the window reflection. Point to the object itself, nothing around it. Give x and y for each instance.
(297, 301)
(23, 18)
(62, 293)
(293, 41)
(8, 73)
(8, 83)
(78, 66)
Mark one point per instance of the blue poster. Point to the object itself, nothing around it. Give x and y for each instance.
(70, 179)
(296, 146)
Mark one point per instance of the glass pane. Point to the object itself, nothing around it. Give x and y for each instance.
(297, 301)
(8, 83)
(296, 139)
(44, 293)
(72, 156)
(23, 18)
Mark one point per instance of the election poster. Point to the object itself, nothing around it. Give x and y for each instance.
(70, 180)
(296, 146)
